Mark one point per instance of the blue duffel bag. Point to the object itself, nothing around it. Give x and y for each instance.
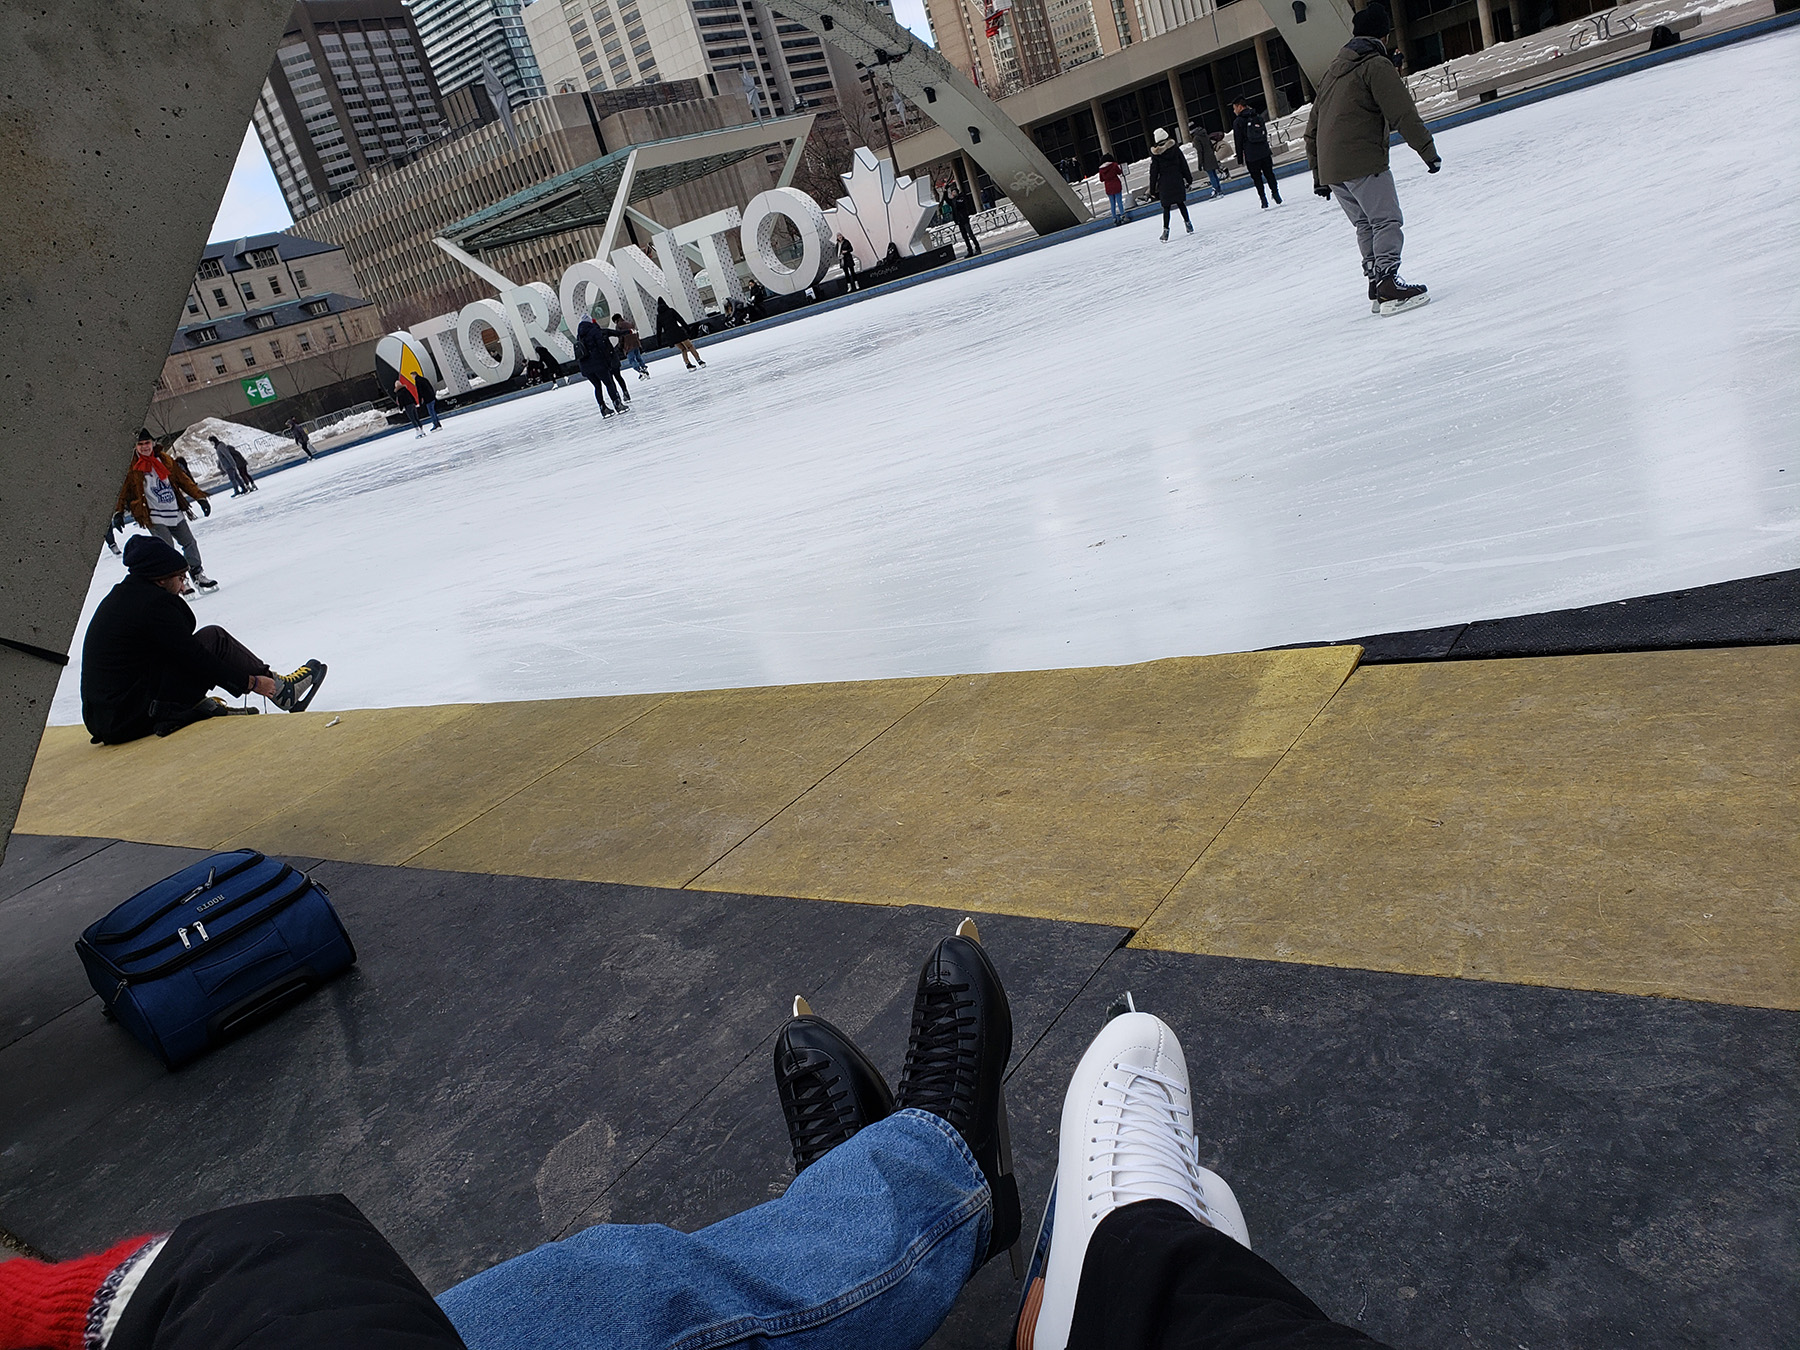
(186, 963)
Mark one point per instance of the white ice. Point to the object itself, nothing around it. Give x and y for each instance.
(1117, 449)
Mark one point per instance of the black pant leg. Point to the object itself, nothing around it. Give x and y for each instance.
(615, 381)
(1156, 1278)
(237, 658)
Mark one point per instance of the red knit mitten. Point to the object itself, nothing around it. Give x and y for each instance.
(46, 1307)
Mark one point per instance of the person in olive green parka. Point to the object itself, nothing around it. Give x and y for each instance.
(1360, 97)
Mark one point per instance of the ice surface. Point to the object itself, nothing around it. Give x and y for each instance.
(1116, 449)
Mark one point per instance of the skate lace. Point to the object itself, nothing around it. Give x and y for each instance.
(1141, 1147)
(941, 1057)
(815, 1122)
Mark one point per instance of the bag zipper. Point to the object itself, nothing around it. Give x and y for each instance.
(218, 912)
(181, 959)
(213, 878)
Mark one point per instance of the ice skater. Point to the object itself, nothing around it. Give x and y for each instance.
(1169, 179)
(599, 363)
(144, 667)
(297, 434)
(157, 494)
(411, 400)
(1112, 178)
(899, 1196)
(674, 331)
(631, 347)
(962, 211)
(1250, 138)
(228, 465)
(1359, 97)
(1209, 160)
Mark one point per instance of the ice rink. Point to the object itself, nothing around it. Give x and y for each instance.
(1116, 449)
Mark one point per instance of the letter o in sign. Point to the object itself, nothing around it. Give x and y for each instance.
(803, 213)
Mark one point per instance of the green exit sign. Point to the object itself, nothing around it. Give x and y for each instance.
(259, 389)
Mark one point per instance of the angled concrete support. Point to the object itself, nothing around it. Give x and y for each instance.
(1315, 38)
(1011, 158)
(121, 129)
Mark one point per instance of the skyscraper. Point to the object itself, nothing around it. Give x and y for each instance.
(469, 40)
(349, 90)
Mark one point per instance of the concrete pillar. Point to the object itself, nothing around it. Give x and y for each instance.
(1100, 130)
(974, 176)
(1181, 122)
(1484, 9)
(1267, 72)
(123, 127)
(1517, 9)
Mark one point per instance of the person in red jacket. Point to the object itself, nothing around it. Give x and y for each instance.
(1112, 178)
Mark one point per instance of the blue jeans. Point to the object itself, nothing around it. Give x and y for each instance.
(635, 359)
(868, 1249)
(1116, 200)
(1213, 174)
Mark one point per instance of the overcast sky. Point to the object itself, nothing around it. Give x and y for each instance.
(253, 203)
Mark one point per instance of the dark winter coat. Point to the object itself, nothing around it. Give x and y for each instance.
(1209, 157)
(671, 328)
(139, 636)
(1169, 174)
(962, 206)
(1250, 137)
(593, 353)
(1112, 178)
(1359, 97)
(131, 495)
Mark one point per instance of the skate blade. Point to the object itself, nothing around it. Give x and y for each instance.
(1016, 1252)
(1389, 308)
(967, 929)
(801, 1007)
(1031, 1302)
(313, 692)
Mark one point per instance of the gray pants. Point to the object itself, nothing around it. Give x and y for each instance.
(1374, 208)
(181, 537)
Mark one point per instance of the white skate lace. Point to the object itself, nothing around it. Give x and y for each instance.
(1142, 1149)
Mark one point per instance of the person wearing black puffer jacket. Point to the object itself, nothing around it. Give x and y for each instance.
(1250, 136)
(1359, 97)
(1169, 179)
(599, 362)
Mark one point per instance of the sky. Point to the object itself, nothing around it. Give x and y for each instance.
(253, 203)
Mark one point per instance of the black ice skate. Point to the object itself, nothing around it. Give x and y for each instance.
(206, 584)
(1395, 296)
(955, 1060)
(293, 692)
(829, 1090)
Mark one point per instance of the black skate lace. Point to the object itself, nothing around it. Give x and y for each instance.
(941, 1070)
(815, 1122)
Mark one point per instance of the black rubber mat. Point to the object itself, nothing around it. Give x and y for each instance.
(1439, 1161)
(1754, 612)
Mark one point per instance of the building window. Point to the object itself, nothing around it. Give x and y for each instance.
(193, 304)
(263, 257)
(218, 364)
(317, 307)
(162, 385)
(201, 336)
(331, 337)
(249, 355)
(187, 372)
(210, 268)
(263, 321)
(300, 277)
(248, 290)
(275, 348)
(219, 297)
(275, 285)
(304, 338)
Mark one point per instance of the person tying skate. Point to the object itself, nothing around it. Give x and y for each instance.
(900, 1195)
(1359, 97)
(145, 669)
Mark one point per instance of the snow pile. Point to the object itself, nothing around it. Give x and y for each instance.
(260, 449)
(356, 424)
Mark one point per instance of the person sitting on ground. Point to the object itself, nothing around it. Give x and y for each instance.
(598, 360)
(145, 669)
(899, 1196)
(157, 493)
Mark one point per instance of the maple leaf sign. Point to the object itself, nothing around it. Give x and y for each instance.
(881, 209)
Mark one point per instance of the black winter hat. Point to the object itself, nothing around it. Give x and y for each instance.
(1372, 22)
(149, 557)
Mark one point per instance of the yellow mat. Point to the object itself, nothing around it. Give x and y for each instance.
(1621, 822)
